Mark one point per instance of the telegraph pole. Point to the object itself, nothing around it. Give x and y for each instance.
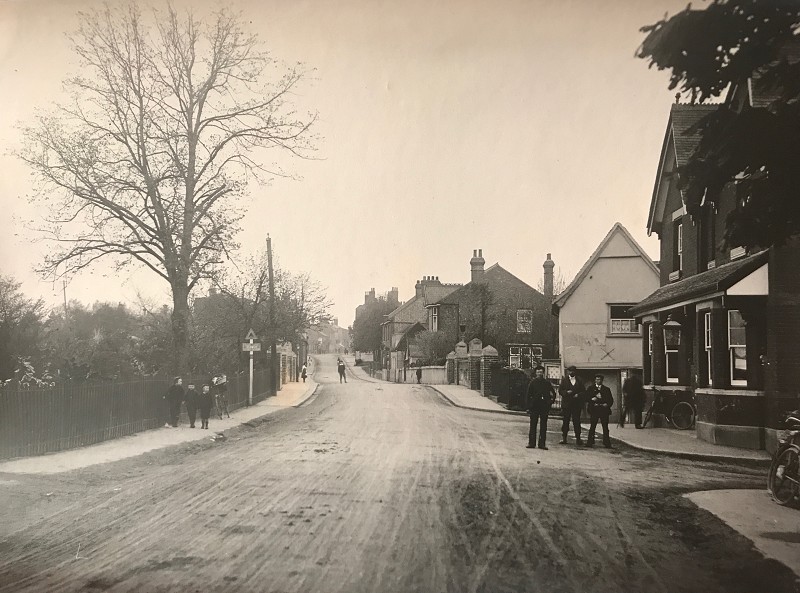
(272, 323)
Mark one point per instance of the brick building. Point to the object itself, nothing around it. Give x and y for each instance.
(501, 310)
(723, 326)
(410, 318)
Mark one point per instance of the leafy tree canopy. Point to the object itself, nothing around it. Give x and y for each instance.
(749, 51)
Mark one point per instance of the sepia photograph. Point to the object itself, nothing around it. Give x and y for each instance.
(411, 296)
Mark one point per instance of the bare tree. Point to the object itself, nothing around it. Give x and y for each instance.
(148, 160)
(560, 283)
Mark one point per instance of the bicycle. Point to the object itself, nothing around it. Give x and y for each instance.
(681, 414)
(783, 480)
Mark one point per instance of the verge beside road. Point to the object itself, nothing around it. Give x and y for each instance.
(290, 395)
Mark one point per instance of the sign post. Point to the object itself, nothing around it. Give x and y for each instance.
(251, 347)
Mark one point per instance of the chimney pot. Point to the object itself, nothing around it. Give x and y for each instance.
(476, 265)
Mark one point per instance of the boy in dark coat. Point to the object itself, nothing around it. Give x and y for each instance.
(540, 398)
(599, 407)
(204, 401)
(191, 404)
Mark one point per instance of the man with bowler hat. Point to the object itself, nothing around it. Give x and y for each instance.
(540, 397)
(571, 390)
(599, 405)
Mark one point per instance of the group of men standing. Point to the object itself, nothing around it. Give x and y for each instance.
(574, 395)
(195, 402)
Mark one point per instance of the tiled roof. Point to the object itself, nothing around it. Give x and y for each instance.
(493, 273)
(705, 283)
(682, 119)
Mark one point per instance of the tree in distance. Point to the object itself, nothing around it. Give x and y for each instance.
(148, 162)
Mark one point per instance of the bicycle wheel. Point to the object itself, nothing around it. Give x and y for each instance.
(783, 477)
(648, 415)
(682, 415)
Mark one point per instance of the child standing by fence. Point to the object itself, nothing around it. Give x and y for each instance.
(204, 403)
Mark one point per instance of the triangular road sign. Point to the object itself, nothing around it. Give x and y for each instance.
(251, 335)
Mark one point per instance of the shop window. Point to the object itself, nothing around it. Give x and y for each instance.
(622, 322)
(524, 356)
(672, 342)
(707, 344)
(737, 347)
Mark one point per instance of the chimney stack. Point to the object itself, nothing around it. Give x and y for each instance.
(476, 265)
(548, 265)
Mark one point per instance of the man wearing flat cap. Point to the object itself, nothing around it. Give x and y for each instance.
(571, 391)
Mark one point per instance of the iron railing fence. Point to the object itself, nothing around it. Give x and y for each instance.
(69, 415)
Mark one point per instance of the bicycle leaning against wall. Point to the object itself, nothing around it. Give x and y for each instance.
(678, 410)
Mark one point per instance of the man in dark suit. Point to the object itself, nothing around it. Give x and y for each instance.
(540, 397)
(174, 399)
(571, 390)
(599, 405)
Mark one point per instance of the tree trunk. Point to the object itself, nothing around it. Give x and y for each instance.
(180, 326)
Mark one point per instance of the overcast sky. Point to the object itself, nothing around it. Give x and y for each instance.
(518, 127)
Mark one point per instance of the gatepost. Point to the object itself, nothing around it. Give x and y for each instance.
(475, 352)
(450, 365)
(489, 356)
(462, 364)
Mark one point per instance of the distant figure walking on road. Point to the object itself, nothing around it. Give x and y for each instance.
(571, 390)
(540, 398)
(191, 404)
(304, 373)
(174, 399)
(600, 402)
(340, 366)
(204, 402)
(419, 374)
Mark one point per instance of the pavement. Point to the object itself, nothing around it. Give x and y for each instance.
(290, 395)
(773, 529)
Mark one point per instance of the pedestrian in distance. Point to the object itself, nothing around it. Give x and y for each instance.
(340, 366)
(174, 398)
(599, 405)
(190, 399)
(304, 373)
(204, 402)
(419, 375)
(571, 390)
(633, 399)
(540, 398)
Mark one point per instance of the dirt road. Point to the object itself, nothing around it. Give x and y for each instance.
(378, 488)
